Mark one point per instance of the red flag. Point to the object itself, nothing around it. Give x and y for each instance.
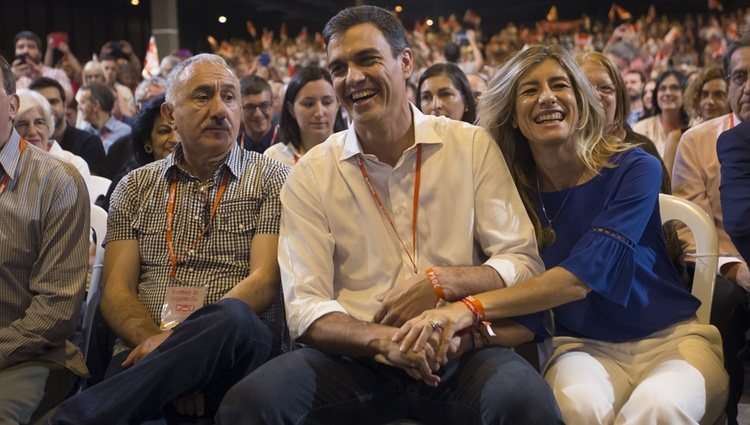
(715, 5)
(251, 29)
(623, 14)
(151, 62)
(552, 14)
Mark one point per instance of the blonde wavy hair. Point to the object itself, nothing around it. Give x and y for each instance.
(497, 112)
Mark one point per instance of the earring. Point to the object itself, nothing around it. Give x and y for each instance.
(148, 148)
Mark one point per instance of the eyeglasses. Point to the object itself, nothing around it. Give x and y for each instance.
(263, 106)
(738, 77)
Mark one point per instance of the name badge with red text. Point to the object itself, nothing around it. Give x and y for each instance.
(179, 303)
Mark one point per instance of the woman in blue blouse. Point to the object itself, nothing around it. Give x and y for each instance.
(626, 348)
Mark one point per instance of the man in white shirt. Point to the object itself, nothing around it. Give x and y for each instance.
(379, 223)
(28, 65)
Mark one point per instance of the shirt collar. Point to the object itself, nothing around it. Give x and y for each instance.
(424, 133)
(10, 154)
(232, 162)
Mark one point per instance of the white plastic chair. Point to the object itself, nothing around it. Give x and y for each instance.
(98, 223)
(706, 247)
(90, 306)
(99, 186)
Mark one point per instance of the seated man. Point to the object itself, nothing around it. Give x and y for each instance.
(43, 261)
(197, 230)
(260, 126)
(379, 223)
(734, 154)
(82, 143)
(95, 104)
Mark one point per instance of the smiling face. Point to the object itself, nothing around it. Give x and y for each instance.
(546, 110)
(163, 138)
(438, 96)
(669, 94)
(256, 113)
(714, 100)
(314, 109)
(369, 81)
(33, 128)
(598, 76)
(206, 108)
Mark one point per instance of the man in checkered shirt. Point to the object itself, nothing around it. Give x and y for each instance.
(204, 218)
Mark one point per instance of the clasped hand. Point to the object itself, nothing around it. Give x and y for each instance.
(435, 331)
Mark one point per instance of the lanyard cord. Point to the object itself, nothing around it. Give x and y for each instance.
(415, 205)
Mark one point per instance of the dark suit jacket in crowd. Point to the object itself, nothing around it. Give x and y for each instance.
(733, 148)
(89, 147)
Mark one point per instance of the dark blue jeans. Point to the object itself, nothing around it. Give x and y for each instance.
(210, 351)
(306, 386)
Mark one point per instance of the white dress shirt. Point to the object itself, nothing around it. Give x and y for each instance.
(337, 253)
(285, 153)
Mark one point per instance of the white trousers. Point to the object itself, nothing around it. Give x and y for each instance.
(674, 376)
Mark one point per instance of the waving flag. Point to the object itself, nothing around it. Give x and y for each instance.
(151, 62)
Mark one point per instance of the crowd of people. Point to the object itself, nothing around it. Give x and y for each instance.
(365, 223)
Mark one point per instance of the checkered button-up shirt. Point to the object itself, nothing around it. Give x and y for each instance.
(220, 260)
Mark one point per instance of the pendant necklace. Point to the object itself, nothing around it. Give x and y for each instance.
(549, 237)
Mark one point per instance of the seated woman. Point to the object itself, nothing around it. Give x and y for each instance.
(444, 90)
(627, 348)
(36, 123)
(152, 139)
(668, 114)
(309, 115)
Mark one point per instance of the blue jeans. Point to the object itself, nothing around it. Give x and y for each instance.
(487, 386)
(210, 351)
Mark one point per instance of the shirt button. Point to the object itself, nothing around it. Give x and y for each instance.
(197, 217)
(242, 226)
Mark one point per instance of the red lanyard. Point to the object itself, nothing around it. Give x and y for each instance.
(6, 177)
(170, 219)
(731, 120)
(415, 206)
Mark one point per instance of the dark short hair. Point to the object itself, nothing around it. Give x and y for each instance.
(143, 123)
(452, 52)
(638, 72)
(459, 81)
(742, 42)
(252, 84)
(289, 131)
(46, 82)
(27, 35)
(383, 19)
(101, 93)
(9, 80)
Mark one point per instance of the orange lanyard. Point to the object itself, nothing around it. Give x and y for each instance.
(6, 177)
(415, 206)
(170, 220)
(731, 120)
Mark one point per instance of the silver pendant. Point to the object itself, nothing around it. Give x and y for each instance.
(548, 236)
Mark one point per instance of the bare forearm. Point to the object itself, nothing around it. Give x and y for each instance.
(552, 288)
(507, 334)
(340, 334)
(127, 317)
(257, 290)
(458, 282)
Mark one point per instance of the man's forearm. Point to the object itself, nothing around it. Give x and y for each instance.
(127, 317)
(340, 334)
(257, 290)
(458, 282)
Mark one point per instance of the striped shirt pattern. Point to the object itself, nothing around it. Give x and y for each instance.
(44, 237)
